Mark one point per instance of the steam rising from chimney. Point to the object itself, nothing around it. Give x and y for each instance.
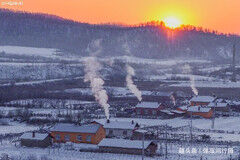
(92, 68)
(187, 70)
(131, 86)
(173, 100)
(192, 81)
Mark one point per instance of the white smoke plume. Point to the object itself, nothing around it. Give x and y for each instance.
(187, 69)
(173, 100)
(194, 89)
(92, 68)
(130, 84)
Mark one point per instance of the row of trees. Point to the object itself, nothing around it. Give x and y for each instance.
(150, 40)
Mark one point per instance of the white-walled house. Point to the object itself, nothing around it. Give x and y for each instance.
(120, 129)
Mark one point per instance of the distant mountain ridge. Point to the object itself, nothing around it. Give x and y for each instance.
(146, 41)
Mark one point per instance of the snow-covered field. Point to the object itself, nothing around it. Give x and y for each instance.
(14, 127)
(226, 124)
(164, 62)
(29, 51)
(62, 154)
(209, 84)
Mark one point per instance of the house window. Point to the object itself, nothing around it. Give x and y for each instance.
(57, 137)
(154, 112)
(110, 132)
(146, 111)
(67, 137)
(88, 139)
(124, 132)
(138, 111)
(79, 138)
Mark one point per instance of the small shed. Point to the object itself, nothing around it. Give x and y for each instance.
(123, 129)
(148, 108)
(32, 139)
(124, 146)
(220, 107)
(200, 111)
(202, 100)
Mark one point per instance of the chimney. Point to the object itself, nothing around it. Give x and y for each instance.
(33, 134)
(108, 120)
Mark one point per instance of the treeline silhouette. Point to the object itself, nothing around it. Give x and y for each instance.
(146, 40)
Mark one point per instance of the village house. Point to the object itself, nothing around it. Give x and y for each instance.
(121, 129)
(124, 146)
(139, 134)
(201, 100)
(91, 133)
(182, 108)
(178, 113)
(219, 107)
(234, 105)
(164, 113)
(200, 111)
(148, 108)
(33, 139)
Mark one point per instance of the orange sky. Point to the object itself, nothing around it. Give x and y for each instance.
(220, 15)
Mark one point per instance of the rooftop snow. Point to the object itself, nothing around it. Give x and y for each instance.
(123, 143)
(183, 107)
(90, 128)
(178, 112)
(220, 105)
(202, 99)
(120, 125)
(167, 112)
(148, 105)
(38, 136)
(162, 94)
(198, 109)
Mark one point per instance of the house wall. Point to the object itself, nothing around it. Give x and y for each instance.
(150, 150)
(199, 103)
(36, 143)
(95, 138)
(202, 114)
(148, 111)
(119, 132)
(120, 150)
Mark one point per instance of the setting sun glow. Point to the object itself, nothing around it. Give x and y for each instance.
(172, 22)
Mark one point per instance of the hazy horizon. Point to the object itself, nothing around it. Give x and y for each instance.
(214, 15)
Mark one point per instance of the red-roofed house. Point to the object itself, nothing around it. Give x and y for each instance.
(148, 108)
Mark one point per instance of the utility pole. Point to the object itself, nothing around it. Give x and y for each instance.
(143, 136)
(213, 119)
(166, 149)
(191, 129)
(143, 146)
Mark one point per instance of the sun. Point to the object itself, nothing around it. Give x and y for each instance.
(172, 22)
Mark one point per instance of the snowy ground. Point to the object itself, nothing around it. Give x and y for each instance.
(29, 51)
(209, 84)
(14, 127)
(228, 123)
(62, 154)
